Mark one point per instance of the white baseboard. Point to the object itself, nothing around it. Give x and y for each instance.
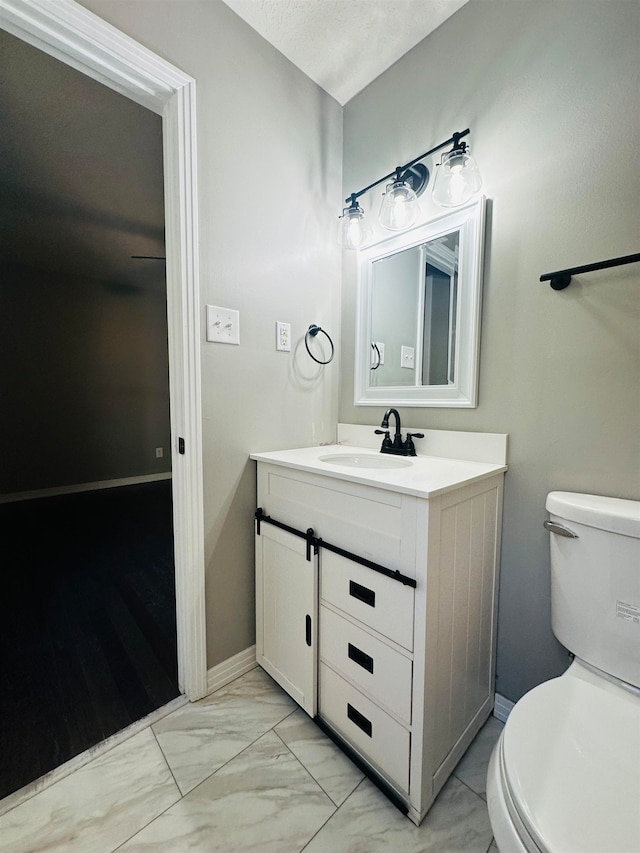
(231, 669)
(83, 487)
(502, 708)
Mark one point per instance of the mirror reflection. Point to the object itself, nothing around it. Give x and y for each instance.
(418, 320)
(414, 314)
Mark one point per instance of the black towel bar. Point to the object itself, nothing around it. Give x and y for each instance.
(562, 278)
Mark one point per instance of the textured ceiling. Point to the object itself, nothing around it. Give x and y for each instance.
(344, 44)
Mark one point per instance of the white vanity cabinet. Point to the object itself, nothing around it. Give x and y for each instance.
(404, 675)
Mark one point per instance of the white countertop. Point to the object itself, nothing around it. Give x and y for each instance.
(425, 477)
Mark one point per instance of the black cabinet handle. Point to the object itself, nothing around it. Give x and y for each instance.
(361, 658)
(362, 593)
(360, 720)
(307, 629)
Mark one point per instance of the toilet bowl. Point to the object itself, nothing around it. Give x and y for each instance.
(564, 776)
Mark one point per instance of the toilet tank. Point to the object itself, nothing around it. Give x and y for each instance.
(595, 580)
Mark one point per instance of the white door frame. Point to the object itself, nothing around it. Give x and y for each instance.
(77, 37)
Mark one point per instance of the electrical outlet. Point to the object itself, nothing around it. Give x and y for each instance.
(223, 325)
(407, 357)
(283, 336)
(159, 452)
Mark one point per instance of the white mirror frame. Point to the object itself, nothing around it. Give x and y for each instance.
(463, 392)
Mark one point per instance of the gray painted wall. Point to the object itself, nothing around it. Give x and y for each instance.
(85, 368)
(269, 182)
(550, 91)
(83, 327)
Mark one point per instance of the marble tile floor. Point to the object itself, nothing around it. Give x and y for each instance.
(243, 770)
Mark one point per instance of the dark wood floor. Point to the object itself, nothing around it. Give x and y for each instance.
(87, 623)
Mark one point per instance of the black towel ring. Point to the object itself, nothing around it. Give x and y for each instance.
(313, 331)
(378, 354)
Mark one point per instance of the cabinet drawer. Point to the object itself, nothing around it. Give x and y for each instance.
(380, 602)
(373, 733)
(370, 664)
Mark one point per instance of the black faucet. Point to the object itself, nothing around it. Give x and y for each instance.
(397, 438)
(397, 446)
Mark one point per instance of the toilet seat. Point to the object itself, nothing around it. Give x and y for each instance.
(570, 760)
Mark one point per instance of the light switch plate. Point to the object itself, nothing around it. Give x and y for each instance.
(223, 325)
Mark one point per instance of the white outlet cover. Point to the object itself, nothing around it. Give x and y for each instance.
(223, 325)
(283, 336)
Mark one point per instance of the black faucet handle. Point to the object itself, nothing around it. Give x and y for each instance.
(409, 446)
(386, 441)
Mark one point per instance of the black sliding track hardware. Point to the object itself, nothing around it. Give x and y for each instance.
(316, 542)
(383, 570)
(311, 540)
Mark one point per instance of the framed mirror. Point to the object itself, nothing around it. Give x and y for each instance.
(418, 316)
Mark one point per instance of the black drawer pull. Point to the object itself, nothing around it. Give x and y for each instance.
(362, 593)
(361, 658)
(308, 629)
(360, 720)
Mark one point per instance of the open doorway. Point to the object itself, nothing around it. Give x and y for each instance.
(81, 40)
(88, 607)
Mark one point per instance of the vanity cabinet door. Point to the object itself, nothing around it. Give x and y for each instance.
(286, 613)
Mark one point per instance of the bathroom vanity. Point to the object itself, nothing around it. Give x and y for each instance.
(376, 585)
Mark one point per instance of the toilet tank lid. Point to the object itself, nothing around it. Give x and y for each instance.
(616, 515)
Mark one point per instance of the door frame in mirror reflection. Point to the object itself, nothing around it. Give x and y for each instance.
(461, 391)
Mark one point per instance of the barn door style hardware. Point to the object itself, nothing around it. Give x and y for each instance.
(308, 535)
(314, 542)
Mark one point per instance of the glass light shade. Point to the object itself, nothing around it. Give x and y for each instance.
(457, 179)
(354, 229)
(399, 208)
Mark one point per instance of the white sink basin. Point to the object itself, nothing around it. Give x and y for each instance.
(365, 460)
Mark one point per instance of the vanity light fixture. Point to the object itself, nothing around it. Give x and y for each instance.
(399, 208)
(457, 179)
(354, 230)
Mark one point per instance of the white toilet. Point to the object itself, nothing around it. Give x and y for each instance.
(564, 776)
